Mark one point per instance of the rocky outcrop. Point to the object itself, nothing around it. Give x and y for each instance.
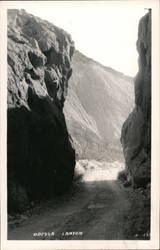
(41, 159)
(136, 131)
(99, 100)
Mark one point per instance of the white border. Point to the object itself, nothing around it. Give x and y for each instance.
(155, 185)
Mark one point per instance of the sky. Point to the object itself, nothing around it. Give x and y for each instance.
(103, 31)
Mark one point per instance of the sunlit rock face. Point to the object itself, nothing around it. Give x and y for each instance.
(99, 100)
(41, 159)
(136, 131)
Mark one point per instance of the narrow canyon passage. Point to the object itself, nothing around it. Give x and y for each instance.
(95, 208)
(64, 106)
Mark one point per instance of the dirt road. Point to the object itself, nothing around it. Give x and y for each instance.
(95, 208)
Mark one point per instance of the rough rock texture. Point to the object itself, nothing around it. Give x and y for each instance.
(136, 131)
(99, 100)
(41, 159)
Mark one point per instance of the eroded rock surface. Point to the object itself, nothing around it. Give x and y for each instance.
(99, 100)
(41, 159)
(136, 131)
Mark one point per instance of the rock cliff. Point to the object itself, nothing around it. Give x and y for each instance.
(136, 131)
(99, 100)
(41, 159)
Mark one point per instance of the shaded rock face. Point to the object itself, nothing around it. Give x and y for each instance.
(41, 159)
(136, 131)
(99, 100)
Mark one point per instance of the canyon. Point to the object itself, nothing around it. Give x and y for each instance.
(66, 137)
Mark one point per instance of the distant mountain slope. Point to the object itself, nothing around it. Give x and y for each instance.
(99, 100)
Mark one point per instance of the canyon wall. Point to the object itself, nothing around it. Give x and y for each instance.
(136, 131)
(99, 100)
(41, 159)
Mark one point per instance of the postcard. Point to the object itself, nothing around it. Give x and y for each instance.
(80, 124)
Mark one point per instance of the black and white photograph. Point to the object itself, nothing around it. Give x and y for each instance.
(80, 160)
